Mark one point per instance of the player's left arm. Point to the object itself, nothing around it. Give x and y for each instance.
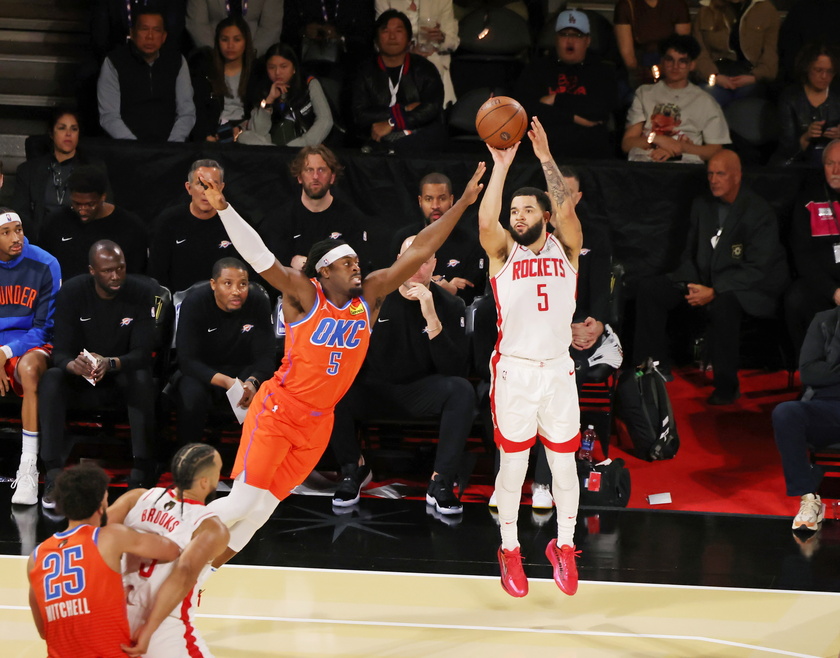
(382, 282)
(33, 603)
(207, 542)
(567, 227)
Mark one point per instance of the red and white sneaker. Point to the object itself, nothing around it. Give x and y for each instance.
(514, 581)
(565, 567)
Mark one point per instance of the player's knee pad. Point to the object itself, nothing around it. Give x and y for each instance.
(563, 469)
(512, 469)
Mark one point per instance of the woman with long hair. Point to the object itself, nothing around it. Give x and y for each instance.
(222, 83)
(291, 110)
(809, 111)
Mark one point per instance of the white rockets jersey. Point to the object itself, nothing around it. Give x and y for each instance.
(159, 511)
(535, 301)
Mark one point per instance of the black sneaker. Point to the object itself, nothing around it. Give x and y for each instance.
(440, 495)
(353, 478)
(48, 499)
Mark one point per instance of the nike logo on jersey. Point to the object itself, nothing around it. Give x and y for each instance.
(295, 237)
(571, 373)
(383, 319)
(212, 330)
(180, 241)
(66, 239)
(84, 319)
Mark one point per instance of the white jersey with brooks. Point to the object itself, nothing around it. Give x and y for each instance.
(160, 512)
(535, 301)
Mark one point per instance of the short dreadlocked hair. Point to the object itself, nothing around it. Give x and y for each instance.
(188, 462)
(79, 491)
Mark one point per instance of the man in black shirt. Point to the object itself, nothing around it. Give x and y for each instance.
(69, 232)
(461, 262)
(188, 240)
(224, 335)
(109, 314)
(317, 215)
(415, 367)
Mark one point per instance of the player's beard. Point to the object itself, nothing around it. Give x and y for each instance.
(210, 497)
(529, 237)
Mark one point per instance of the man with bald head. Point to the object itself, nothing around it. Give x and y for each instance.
(415, 368)
(102, 355)
(733, 264)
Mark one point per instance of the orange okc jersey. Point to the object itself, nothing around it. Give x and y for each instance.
(80, 597)
(324, 351)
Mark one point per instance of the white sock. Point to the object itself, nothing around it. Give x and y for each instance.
(30, 445)
(566, 491)
(509, 481)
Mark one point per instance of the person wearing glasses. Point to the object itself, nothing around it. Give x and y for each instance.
(673, 119)
(571, 92)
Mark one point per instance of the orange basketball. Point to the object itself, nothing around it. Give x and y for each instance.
(501, 122)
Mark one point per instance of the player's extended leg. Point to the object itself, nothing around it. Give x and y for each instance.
(509, 481)
(28, 372)
(566, 490)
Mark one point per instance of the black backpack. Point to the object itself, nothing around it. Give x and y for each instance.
(611, 486)
(643, 404)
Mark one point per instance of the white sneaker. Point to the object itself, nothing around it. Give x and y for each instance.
(26, 483)
(492, 501)
(541, 497)
(811, 513)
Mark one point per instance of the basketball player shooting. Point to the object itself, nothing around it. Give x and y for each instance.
(534, 278)
(329, 311)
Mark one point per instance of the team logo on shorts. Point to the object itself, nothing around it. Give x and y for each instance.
(246, 328)
(356, 309)
(126, 321)
(453, 263)
(224, 244)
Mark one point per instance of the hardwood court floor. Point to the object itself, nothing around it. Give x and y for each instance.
(389, 579)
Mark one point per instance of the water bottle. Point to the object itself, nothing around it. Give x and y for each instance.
(587, 444)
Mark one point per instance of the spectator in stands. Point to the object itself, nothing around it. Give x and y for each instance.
(415, 367)
(144, 92)
(316, 214)
(31, 279)
(813, 421)
(398, 96)
(809, 114)
(292, 110)
(69, 232)
(111, 22)
(738, 46)
(264, 18)
(41, 182)
(733, 263)
(674, 119)
(104, 338)
(640, 25)
(571, 93)
(222, 83)
(435, 34)
(224, 336)
(461, 262)
(806, 21)
(815, 227)
(188, 240)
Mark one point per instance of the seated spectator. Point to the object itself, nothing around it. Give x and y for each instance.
(461, 262)
(640, 25)
(733, 263)
(674, 119)
(41, 182)
(571, 93)
(292, 111)
(110, 315)
(69, 232)
(415, 367)
(316, 215)
(224, 336)
(814, 232)
(809, 114)
(264, 18)
(738, 46)
(188, 240)
(144, 92)
(111, 21)
(26, 330)
(398, 96)
(813, 421)
(222, 83)
(806, 21)
(435, 35)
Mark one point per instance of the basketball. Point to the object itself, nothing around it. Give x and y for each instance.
(501, 122)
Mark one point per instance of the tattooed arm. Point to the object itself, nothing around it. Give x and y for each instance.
(563, 216)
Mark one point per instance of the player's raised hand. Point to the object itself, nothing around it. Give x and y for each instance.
(474, 187)
(539, 139)
(504, 157)
(213, 193)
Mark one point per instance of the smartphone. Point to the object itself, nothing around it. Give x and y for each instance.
(225, 133)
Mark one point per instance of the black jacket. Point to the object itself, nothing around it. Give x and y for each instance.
(819, 360)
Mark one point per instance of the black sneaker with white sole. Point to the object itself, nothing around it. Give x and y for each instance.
(48, 499)
(353, 478)
(440, 494)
